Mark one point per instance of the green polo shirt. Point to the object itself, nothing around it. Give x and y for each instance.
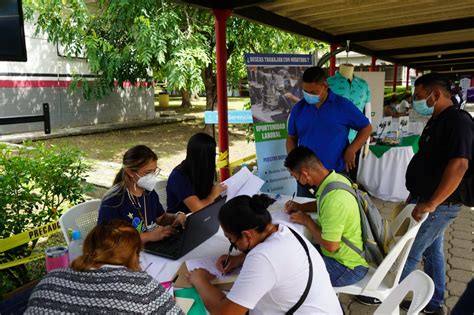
(339, 216)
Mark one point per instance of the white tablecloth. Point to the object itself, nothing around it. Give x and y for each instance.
(163, 269)
(384, 177)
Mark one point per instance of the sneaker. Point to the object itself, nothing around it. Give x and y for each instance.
(367, 300)
(405, 305)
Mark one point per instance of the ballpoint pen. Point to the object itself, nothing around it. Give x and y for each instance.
(293, 197)
(231, 247)
(172, 283)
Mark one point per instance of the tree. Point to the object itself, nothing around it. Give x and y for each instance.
(127, 40)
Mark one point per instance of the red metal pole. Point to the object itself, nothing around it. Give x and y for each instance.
(372, 64)
(395, 70)
(332, 61)
(221, 76)
(408, 79)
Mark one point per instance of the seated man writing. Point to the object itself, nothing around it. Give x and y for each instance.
(338, 217)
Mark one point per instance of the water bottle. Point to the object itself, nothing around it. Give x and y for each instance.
(75, 247)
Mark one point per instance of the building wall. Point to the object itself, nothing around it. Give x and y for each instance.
(45, 77)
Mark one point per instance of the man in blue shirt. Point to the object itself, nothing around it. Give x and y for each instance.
(321, 121)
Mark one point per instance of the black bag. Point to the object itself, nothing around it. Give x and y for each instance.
(465, 190)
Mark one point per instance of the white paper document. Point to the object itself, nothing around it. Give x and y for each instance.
(243, 183)
(209, 263)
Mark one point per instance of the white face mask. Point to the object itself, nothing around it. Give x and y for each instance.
(148, 181)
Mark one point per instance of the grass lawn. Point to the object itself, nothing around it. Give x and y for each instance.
(233, 103)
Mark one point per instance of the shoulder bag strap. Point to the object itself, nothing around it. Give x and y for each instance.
(343, 186)
(310, 277)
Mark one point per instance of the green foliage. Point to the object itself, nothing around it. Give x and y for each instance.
(388, 92)
(127, 40)
(36, 185)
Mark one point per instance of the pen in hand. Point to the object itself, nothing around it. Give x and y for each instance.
(226, 262)
(293, 197)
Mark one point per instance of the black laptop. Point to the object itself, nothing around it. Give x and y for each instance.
(200, 226)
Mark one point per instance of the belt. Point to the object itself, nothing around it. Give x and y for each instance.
(445, 203)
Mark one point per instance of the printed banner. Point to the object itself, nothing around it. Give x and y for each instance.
(275, 86)
(233, 117)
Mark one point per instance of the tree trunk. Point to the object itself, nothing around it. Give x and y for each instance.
(211, 88)
(209, 78)
(186, 99)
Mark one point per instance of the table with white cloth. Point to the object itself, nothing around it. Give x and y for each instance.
(163, 269)
(382, 172)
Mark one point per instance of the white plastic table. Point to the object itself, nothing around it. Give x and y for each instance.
(163, 269)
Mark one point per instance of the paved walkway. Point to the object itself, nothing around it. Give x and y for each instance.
(84, 130)
(459, 255)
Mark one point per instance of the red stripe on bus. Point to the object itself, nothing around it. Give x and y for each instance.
(33, 84)
(56, 84)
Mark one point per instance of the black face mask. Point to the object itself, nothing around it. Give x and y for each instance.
(311, 189)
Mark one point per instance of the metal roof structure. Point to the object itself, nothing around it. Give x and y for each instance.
(431, 35)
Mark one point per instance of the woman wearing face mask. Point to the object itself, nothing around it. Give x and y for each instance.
(132, 197)
(278, 266)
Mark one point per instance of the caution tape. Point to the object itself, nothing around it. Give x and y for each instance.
(224, 163)
(222, 160)
(24, 238)
(31, 235)
(21, 261)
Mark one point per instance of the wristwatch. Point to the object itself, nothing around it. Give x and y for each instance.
(180, 212)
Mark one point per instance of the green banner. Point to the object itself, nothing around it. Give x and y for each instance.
(270, 131)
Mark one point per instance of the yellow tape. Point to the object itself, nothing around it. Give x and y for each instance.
(25, 237)
(224, 163)
(21, 261)
(222, 160)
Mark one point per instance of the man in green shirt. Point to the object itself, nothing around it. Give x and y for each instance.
(338, 217)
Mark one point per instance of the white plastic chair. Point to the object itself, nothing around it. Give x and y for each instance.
(81, 217)
(160, 189)
(422, 287)
(380, 282)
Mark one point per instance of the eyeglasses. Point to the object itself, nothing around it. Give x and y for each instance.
(156, 172)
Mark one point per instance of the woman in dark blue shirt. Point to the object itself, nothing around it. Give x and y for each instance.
(133, 198)
(190, 185)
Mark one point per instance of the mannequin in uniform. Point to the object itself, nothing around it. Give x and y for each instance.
(355, 89)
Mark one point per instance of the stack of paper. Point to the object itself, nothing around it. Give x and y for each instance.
(243, 183)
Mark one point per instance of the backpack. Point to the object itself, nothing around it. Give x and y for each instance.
(376, 232)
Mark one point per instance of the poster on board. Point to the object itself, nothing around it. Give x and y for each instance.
(275, 86)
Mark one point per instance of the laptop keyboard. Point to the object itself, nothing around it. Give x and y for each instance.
(170, 246)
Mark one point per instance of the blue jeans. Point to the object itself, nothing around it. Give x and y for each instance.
(429, 245)
(340, 275)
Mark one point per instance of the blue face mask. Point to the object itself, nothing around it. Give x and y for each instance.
(311, 99)
(422, 108)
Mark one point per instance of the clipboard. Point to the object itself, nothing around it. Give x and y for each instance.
(182, 281)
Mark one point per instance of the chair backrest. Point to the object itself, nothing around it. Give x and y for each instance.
(81, 217)
(422, 287)
(393, 263)
(160, 189)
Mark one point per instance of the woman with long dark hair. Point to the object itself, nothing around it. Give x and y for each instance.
(106, 279)
(191, 185)
(132, 197)
(281, 271)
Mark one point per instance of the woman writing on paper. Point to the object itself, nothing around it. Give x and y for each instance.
(275, 266)
(105, 279)
(132, 197)
(191, 185)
